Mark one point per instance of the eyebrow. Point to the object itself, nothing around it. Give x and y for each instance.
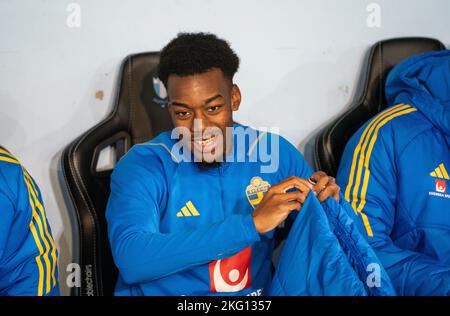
(209, 100)
(180, 104)
(213, 98)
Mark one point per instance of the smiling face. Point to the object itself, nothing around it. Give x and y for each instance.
(204, 103)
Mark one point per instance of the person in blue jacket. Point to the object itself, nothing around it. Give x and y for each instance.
(395, 171)
(195, 214)
(28, 255)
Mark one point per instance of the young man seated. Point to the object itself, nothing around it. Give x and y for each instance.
(193, 211)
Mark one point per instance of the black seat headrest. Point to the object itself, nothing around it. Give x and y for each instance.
(383, 56)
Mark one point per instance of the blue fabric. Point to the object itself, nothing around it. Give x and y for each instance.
(28, 255)
(161, 251)
(325, 254)
(394, 173)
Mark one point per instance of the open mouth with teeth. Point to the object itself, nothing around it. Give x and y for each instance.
(206, 144)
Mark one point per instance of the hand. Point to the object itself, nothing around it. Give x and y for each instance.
(324, 186)
(277, 203)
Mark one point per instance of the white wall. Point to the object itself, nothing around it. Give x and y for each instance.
(300, 65)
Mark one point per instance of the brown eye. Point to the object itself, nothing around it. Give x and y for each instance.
(214, 108)
(182, 114)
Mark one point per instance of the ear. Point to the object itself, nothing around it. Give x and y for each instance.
(235, 97)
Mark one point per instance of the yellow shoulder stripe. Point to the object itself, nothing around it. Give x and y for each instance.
(34, 193)
(39, 240)
(367, 140)
(8, 155)
(40, 231)
(363, 137)
(7, 159)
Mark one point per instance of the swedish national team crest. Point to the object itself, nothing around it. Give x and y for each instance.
(255, 190)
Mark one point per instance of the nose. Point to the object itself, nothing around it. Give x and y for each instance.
(200, 125)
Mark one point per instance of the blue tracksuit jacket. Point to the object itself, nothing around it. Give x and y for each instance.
(28, 255)
(325, 254)
(178, 229)
(395, 173)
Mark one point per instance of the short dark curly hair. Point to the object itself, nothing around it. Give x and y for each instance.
(194, 53)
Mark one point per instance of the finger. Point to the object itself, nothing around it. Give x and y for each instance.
(323, 183)
(280, 198)
(276, 188)
(328, 191)
(336, 195)
(320, 180)
(316, 176)
(288, 181)
(277, 197)
(293, 182)
(279, 187)
(324, 194)
(293, 205)
(296, 196)
(301, 185)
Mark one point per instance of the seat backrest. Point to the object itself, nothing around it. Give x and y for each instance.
(383, 56)
(139, 114)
